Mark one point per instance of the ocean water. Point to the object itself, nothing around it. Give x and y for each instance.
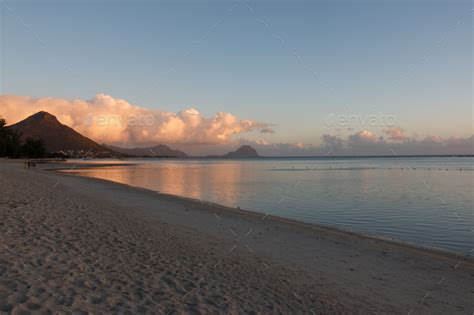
(426, 201)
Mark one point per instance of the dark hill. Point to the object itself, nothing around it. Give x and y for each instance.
(56, 136)
(160, 150)
(244, 151)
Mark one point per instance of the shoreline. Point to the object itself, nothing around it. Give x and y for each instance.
(258, 215)
(98, 246)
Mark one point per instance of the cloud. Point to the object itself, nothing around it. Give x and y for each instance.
(332, 141)
(433, 139)
(362, 143)
(363, 136)
(365, 143)
(368, 143)
(116, 121)
(396, 134)
(267, 130)
(267, 148)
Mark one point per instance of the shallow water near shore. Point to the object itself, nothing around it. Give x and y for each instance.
(427, 201)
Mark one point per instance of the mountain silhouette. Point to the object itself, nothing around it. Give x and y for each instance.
(159, 150)
(56, 136)
(244, 151)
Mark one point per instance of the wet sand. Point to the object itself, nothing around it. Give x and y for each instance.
(74, 245)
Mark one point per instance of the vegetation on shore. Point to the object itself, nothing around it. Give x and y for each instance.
(11, 145)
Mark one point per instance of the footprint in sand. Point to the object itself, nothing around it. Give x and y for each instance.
(3, 269)
(6, 307)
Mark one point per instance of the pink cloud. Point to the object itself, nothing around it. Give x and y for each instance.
(363, 136)
(435, 139)
(396, 134)
(116, 121)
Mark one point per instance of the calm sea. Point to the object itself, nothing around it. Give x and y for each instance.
(425, 201)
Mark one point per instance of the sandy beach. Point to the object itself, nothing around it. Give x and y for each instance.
(85, 246)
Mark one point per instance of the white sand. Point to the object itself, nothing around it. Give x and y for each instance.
(75, 245)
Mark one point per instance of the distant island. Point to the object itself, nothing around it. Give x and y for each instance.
(159, 150)
(244, 151)
(162, 150)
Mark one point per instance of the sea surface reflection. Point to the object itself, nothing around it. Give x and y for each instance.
(426, 201)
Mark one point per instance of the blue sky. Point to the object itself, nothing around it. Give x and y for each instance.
(257, 60)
